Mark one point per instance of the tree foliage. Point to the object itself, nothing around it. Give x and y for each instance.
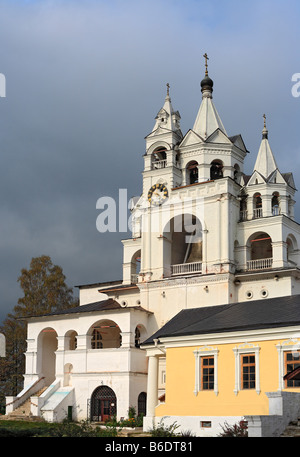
(44, 288)
(44, 291)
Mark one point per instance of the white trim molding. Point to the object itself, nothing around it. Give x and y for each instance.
(246, 348)
(204, 352)
(292, 344)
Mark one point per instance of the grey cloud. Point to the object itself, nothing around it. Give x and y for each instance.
(84, 83)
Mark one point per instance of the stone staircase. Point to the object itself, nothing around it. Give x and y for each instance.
(293, 429)
(23, 411)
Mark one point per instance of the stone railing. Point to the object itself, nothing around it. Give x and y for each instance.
(186, 268)
(260, 264)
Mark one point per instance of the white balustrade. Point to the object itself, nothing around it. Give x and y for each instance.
(259, 264)
(186, 268)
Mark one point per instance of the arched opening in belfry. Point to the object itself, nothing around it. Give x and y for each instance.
(135, 266)
(243, 207)
(192, 172)
(236, 172)
(140, 335)
(183, 245)
(275, 204)
(261, 251)
(257, 206)
(216, 169)
(159, 158)
(292, 249)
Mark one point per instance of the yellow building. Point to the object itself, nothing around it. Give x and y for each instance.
(226, 364)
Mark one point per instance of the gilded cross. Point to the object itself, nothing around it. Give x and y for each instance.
(206, 59)
(264, 116)
(168, 89)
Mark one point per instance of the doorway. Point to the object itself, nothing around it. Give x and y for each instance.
(103, 404)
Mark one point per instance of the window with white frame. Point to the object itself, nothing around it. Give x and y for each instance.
(246, 368)
(206, 369)
(288, 353)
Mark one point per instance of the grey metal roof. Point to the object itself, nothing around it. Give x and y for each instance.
(104, 305)
(250, 315)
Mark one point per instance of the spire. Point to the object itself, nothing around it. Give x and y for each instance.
(167, 118)
(265, 163)
(208, 119)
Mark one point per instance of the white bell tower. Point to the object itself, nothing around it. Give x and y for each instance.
(205, 232)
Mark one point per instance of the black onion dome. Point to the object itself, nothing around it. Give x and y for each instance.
(207, 83)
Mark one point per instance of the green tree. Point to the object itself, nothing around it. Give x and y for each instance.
(44, 291)
(44, 287)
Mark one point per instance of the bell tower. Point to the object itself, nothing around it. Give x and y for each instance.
(161, 160)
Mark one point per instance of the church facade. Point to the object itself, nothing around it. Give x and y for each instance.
(205, 323)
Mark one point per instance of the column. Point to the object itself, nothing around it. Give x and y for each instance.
(152, 387)
(267, 205)
(279, 249)
(59, 355)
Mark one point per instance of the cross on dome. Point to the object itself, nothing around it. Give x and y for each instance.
(206, 65)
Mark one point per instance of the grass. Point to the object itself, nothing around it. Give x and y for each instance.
(11, 429)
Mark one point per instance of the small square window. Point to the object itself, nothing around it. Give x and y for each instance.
(205, 424)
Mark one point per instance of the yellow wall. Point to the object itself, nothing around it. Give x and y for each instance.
(180, 384)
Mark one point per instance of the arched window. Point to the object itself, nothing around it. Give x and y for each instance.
(192, 172)
(275, 204)
(142, 402)
(257, 206)
(137, 338)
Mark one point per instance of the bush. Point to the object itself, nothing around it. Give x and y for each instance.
(236, 430)
(63, 429)
(162, 430)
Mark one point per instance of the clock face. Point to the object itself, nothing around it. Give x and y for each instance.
(157, 194)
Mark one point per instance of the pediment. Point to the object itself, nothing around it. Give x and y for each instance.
(276, 178)
(159, 131)
(256, 178)
(238, 141)
(162, 113)
(191, 138)
(218, 137)
(289, 179)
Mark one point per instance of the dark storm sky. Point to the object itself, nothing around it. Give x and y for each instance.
(84, 81)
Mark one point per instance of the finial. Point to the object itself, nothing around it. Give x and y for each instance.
(168, 89)
(206, 59)
(265, 131)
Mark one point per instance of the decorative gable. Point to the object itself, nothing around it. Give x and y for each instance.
(191, 138)
(218, 137)
(276, 178)
(256, 178)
